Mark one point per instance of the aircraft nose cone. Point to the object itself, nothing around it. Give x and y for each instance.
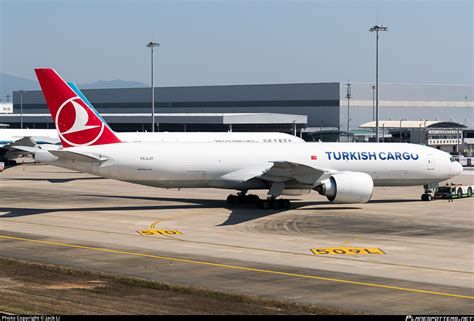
(457, 169)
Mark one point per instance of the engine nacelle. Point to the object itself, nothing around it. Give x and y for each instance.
(347, 187)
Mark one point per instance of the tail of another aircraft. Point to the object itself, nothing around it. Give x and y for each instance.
(77, 122)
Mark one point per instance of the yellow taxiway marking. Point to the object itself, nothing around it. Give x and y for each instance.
(159, 232)
(153, 224)
(154, 231)
(171, 238)
(346, 250)
(236, 267)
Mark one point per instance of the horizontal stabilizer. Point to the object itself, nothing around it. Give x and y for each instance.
(28, 149)
(79, 157)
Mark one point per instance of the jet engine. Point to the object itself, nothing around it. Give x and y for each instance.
(347, 187)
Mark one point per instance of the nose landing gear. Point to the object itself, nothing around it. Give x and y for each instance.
(426, 197)
(428, 194)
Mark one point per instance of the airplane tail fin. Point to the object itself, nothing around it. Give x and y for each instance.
(77, 122)
(83, 97)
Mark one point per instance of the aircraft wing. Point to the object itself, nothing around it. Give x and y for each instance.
(25, 141)
(280, 172)
(28, 149)
(283, 171)
(9, 152)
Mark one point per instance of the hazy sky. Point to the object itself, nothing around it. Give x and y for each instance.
(239, 42)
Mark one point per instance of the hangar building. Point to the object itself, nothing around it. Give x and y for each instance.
(281, 107)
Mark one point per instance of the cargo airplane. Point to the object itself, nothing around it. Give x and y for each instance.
(343, 172)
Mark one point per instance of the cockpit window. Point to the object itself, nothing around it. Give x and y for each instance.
(453, 159)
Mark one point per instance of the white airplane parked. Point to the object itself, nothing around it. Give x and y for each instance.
(343, 172)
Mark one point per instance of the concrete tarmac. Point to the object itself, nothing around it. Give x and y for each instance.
(58, 216)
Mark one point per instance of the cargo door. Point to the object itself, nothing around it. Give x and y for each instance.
(430, 162)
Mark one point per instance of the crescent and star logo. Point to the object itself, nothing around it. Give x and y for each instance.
(77, 124)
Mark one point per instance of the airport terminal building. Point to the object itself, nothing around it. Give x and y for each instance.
(308, 107)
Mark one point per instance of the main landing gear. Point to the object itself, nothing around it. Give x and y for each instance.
(273, 204)
(242, 198)
(270, 203)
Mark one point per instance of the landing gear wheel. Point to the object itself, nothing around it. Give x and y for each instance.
(263, 204)
(242, 198)
(232, 199)
(275, 204)
(251, 198)
(285, 203)
(426, 197)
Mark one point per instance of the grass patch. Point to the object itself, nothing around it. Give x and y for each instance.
(196, 292)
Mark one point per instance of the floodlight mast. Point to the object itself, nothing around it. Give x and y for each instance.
(348, 96)
(21, 92)
(377, 28)
(152, 45)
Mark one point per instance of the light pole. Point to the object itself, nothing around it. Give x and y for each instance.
(373, 102)
(458, 140)
(21, 92)
(467, 109)
(377, 28)
(401, 128)
(152, 45)
(348, 96)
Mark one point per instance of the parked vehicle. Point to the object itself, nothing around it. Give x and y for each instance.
(465, 161)
(457, 191)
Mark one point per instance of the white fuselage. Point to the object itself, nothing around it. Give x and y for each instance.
(50, 136)
(184, 165)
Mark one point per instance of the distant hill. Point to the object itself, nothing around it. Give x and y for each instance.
(116, 83)
(9, 83)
